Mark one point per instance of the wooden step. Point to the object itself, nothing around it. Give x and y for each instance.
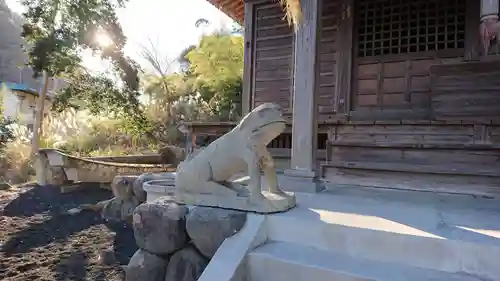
(452, 169)
(472, 146)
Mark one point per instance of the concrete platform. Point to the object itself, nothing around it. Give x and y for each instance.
(367, 234)
(432, 235)
(284, 262)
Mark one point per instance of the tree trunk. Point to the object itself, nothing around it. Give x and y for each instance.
(37, 126)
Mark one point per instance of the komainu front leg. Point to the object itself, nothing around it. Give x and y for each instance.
(267, 165)
(255, 182)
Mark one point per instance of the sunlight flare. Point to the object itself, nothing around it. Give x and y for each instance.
(102, 38)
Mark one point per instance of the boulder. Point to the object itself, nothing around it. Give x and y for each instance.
(160, 226)
(122, 187)
(112, 210)
(127, 209)
(145, 266)
(137, 186)
(186, 265)
(119, 210)
(171, 155)
(209, 227)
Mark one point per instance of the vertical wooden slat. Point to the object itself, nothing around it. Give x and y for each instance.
(380, 83)
(471, 50)
(344, 59)
(408, 81)
(248, 59)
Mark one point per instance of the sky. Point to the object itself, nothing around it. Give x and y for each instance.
(169, 24)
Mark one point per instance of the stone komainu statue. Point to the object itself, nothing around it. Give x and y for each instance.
(204, 179)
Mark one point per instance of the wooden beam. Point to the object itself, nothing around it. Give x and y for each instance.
(248, 59)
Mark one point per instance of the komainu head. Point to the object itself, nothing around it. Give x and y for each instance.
(263, 123)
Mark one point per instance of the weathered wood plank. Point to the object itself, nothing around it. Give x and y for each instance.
(272, 59)
(248, 58)
(468, 90)
(451, 184)
(344, 58)
(463, 170)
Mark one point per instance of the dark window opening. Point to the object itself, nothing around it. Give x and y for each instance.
(388, 27)
(285, 141)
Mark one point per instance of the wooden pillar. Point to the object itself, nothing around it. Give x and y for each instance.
(304, 124)
(247, 102)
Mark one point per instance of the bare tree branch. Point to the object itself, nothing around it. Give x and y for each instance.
(161, 64)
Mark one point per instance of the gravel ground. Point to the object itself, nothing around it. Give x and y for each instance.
(40, 241)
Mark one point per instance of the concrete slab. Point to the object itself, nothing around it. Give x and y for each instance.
(433, 236)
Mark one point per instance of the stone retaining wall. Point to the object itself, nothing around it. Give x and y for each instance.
(177, 242)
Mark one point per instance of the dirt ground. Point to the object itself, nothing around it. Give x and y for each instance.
(40, 241)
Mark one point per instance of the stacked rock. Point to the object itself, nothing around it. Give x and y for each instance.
(128, 194)
(121, 207)
(176, 241)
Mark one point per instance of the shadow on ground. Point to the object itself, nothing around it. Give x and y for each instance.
(41, 199)
(41, 241)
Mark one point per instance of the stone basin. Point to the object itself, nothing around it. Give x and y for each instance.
(160, 188)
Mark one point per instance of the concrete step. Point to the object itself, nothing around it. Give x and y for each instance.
(278, 261)
(434, 236)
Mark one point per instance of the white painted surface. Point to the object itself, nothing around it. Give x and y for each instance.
(71, 174)
(287, 262)
(20, 106)
(228, 262)
(55, 158)
(160, 188)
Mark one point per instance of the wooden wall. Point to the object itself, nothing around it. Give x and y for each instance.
(327, 59)
(272, 56)
(467, 92)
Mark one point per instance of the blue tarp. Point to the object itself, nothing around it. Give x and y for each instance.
(19, 87)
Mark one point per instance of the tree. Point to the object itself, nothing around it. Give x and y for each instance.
(201, 22)
(56, 32)
(216, 66)
(157, 84)
(183, 60)
(237, 28)
(6, 133)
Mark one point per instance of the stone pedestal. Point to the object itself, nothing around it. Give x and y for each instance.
(295, 180)
(267, 203)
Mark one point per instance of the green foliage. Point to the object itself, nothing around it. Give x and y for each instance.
(216, 66)
(6, 133)
(108, 137)
(211, 76)
(57, 31)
